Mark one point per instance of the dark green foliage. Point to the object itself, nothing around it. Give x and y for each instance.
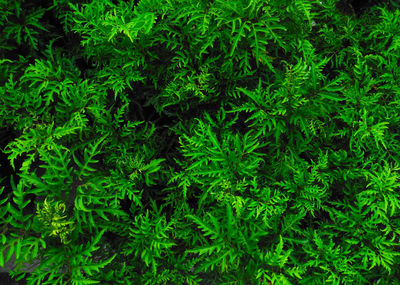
(200, 142)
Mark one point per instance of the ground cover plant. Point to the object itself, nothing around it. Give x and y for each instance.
(200, 142)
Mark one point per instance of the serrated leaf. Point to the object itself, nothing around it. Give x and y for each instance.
(35, 250)
(98, 237)
(18, 249)
(236, 39)
(331, 96)
(205, 249)
(79, 205)
(9, 252)
(42, 243)
(279, 247)
(77, 161)
(1, 259)
(100, 212)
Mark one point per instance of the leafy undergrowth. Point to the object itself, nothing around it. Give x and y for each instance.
(200, 142)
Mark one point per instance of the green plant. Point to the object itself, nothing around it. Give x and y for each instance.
(200, 142)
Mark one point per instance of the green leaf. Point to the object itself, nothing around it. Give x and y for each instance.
(208, 231)
(35, 250)
(98, 237)
(236, 39)
(18, 249)
(9, 252)
(331, 96)
(206, 249)
(1, 258)
(77, 161)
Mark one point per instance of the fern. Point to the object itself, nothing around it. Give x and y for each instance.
(149, 239)
(51, 216)
(89, 154)
(26, 26)
(191, 142)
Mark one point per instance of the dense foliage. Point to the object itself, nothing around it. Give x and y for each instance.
(200, 142)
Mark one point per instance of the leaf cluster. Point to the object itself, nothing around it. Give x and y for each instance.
(200, 142)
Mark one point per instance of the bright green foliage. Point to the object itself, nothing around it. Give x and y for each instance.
(52, 218)
(200, 142)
